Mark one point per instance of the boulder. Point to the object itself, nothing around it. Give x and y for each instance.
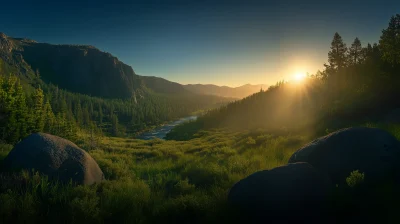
(372, 151)
(294, 192)
(53, 156)
(393, 117)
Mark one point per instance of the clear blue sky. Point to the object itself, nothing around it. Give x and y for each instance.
(220, 42)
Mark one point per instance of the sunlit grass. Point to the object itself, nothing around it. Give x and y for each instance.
(153, 181)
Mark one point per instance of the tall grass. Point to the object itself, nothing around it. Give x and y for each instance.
(152, 181)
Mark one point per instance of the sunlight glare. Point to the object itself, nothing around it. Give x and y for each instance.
(299, 76)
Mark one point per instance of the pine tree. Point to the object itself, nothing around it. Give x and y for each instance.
(390, 41)
(37, 111)
(355, 52)
(86, 117)
(114, 124)
(337, 54)
(21, 111)
(100, 114)
(78, 113)
(49, 122)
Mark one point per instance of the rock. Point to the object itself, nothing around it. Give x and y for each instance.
(372, 151)
(294, 192)
(53, 156)
(393, 117)
(6, 46)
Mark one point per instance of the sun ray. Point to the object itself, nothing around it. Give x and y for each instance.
(299, 76)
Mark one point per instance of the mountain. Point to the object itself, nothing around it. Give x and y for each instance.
(160, 85)
(87, 70)
(62, 88)
(225, 91)
(81, 69)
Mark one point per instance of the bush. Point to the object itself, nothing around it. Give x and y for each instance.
(355, 179)
(205, 175)
(250, 141)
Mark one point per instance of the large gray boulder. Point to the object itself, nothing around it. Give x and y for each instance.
(372, 151)
(53, 156)
(294, 192)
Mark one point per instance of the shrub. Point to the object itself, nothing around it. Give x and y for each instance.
(250, 141)
(205, 175)
(355, 179)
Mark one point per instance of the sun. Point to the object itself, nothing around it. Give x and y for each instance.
(299, 76)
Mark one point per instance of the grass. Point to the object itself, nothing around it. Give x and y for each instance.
(151, 181)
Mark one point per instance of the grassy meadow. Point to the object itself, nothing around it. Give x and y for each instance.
(153, 181)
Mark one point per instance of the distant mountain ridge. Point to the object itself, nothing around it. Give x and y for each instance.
(87, 70)
(81, 68)
(225, 91)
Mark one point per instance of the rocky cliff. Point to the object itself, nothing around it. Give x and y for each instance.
(80, 68)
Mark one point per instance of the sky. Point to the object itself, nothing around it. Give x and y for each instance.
(210, 41)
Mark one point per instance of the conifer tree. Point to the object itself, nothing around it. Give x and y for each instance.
(355, 52)
(21, 110)
(37, 111)
(114, 124)
(49, 118)
(390, 41)
(337, 54)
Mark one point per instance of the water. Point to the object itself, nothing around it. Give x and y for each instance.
(161, 132)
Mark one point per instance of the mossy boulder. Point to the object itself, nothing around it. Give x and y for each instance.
(372, 151)
(56, 157)
(294, 192)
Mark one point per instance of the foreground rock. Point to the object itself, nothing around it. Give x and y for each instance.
(393, 117)
(372, 151)
(295, 192)
(55, 157)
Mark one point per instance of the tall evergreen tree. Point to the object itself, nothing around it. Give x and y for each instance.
(114, 124)
(355, 52)
(390, 41)
(21, 110)
(100, 114)
(49, 118)
(337, 54)
(37, 111)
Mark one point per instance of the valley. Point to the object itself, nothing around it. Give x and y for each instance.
(84, 138)
(163, 130)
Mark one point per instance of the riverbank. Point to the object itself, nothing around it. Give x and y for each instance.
(161, 131)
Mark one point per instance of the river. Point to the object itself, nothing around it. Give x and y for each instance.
(161, 132)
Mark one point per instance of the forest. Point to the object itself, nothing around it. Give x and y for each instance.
(359, 84)
(187, 178)
(53, 110)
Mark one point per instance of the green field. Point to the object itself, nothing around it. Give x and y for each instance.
(152, 181)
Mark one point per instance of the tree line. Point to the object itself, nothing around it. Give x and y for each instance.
(47, 108)
(357, 83)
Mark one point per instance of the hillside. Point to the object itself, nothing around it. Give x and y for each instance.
(160, 85)
(225, 91)
(64, 89)
(359, 84)
(81, 68)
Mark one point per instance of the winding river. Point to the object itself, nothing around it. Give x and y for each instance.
(161, 132)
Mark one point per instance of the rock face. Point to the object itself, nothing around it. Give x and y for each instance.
(370, 150)
(55, 157)
(294, 192)
(81, 68)
(5, 44)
